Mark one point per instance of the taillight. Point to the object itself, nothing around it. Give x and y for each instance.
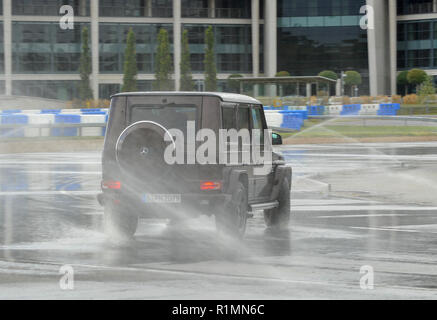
(111, 185)
(210, 185)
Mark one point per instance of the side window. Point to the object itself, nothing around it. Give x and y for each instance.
(228, 118)
(243, 118)
(257, 123)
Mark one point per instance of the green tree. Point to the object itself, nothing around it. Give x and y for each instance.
(402, 80)
(328, 74)
(85, 91)
(232, 84)
(427, 88)
(164, 65)
(416, 77)
(352, 79)
(210, 67)
(130, 64)
(187, 83)
(282, 74)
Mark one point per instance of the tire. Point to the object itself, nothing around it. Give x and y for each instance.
(119, 221)
(140, 152)
(279, 218)
(231, 218)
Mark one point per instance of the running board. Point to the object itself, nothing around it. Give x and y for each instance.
(264, 206)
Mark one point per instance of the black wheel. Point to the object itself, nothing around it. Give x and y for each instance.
(280, 217)
(120, 221)
(231, 218)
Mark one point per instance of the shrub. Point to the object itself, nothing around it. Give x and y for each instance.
(366, 99)
(383, 99)
(88, 104)
(313, 101)
(322, 93)
(396, 99)
(346, 100)
(411, 99)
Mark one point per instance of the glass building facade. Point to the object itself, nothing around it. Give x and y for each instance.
(312, 36)
(317, 35)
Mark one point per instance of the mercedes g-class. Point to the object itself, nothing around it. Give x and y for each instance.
(140, 181)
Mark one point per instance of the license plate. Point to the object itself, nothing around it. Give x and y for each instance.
(161, 198)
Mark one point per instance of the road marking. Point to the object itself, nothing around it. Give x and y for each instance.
(392, 229)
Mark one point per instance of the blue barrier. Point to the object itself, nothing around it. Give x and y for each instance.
(66, 118)
(50, 111)
(91, 110)
(94, 113)
(302, 113)
(316, 110)
(388, 109)
(291, 120)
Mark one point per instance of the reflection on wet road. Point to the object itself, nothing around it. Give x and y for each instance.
(353, 205)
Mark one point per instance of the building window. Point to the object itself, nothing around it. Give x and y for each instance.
(45, 48)
(62, 90)
(418, 58)
(197, 62)
(106, 90)
(195, 8)
(113, 44)
(311, 8)
(233, 47)
(414, 6)
(48, 7)
(135, 8)
(401, 59)
(418, 31)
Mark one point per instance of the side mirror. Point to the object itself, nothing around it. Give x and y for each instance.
(276, 139)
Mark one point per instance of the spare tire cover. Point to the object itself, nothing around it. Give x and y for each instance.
(140, 150)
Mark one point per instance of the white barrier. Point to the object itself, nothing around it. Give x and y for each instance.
(92, 132)
(369, 109)
(334, 109)
(39, 119)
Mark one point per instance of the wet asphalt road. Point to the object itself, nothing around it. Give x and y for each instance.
(353, 205)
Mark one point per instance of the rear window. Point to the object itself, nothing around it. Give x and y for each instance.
(170, 116)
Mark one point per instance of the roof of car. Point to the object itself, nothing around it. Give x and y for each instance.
(226, 97)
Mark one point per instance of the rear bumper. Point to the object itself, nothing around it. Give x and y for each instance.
(195, 204)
